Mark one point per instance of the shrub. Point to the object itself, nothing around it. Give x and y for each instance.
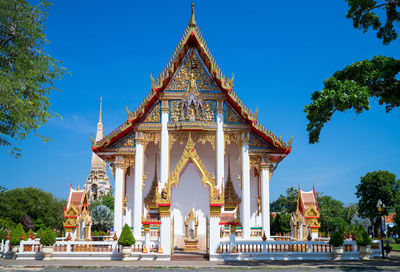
(30, 232)
(126, 238)
(48, 238)
(15, 235)
(363, 238)
(39, 233)
(336, 239)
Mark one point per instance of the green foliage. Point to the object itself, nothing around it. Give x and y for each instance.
(30, 232)
(353, 88)
(39, 233)
(374, 186)
(27, 72)
(364, 17)
(106, 200)
(39, 205)
(281, 223)
(363, 238)
(102, 217)
(333, 215)
(336, 239)
(48, 238)
(15, 235)
(396, 220)
(7, 223)
(126, 238)
(286, 203)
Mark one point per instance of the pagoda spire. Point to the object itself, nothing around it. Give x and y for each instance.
(97, 162)
(192, 21)
(101, 100)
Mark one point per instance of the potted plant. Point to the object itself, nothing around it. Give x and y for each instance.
(364, 244)
(48, 239)
(336, 241)
(126, 240)
(15, 237)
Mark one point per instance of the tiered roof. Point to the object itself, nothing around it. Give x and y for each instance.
(192, 38)
(307, 200)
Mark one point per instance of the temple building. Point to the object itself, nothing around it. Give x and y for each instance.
(304, 222)
(191, 157)
(97, 184)
(77, 220)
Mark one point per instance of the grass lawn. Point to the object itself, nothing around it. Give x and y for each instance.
(395, 246)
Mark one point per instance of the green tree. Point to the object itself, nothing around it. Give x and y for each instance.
(280, 224)
(333, 215)
(286, 203)
(39, 205)
(27, 72)
(357, 84)
(102, 218)
(364, 16)
(107, 200)
(373, 186)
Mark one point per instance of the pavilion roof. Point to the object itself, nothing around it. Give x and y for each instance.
(192, 38)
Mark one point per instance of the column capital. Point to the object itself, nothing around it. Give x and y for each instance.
(164, 106)
(119, 161)
(245, 138)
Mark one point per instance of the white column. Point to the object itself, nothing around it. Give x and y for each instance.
(119, 182)
(214, 238)
(165, 234)
(137, 189)
(164, 171)
(265, 219)
(245, 205)
(220, 145)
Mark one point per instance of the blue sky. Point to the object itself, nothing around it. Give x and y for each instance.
(279, 51)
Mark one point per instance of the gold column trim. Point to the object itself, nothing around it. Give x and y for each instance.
(190, 153)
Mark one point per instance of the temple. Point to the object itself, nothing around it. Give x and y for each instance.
(191, 158)
(97, 184)
(304, 222)
(77, 224)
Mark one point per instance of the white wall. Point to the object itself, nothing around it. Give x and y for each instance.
(254, 188)
(129, 179)
(149, 155)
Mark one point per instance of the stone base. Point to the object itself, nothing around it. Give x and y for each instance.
(191, 246)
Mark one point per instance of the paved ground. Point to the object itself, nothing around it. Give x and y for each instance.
(391, 264)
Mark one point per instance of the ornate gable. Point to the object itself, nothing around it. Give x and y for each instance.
(181, 79)
(230, 116)
(71, 212)
(256, 142)
(154, 116)
(312, 212)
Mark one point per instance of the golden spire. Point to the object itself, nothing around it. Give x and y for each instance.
(192, 21)
(101, 99)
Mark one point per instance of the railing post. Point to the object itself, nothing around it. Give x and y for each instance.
(232, 237)
(68, 247)
(309, 244)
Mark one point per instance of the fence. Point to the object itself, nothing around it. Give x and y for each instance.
(283, 249)
(82, 250)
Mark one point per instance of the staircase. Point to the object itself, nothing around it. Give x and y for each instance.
(180, 255)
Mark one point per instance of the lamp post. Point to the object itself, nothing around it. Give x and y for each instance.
(380, 206)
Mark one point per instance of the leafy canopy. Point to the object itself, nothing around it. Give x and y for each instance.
(102, 218)
(377, 185)
(364, 15)
(27, 73)
(353, 88)
(48, 238)
(39, 205)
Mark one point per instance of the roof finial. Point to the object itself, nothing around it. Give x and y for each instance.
(101, 99)
(192, 21)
